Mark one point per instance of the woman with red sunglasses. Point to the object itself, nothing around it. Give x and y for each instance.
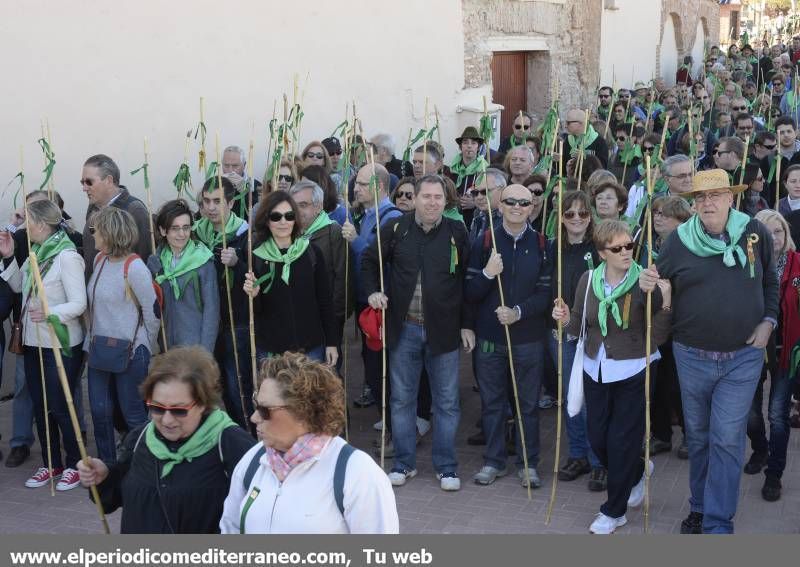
(173, 473)
(610, 307)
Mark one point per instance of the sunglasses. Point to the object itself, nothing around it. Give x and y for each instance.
(286, 178)
(176, 411)
(770, 147)
(478, 191)
(538, 191)
(571, 214)
(618, 249)
(648, 149)
(335, 153)
(275, 216)
(315, 155)
(521, 127)
(265, 412)
(621, 138)
(740, 108)
(405, 194)
(521, 202)
(87, 182)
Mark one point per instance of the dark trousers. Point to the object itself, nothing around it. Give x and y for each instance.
(6, 306)
(615, 423)
(666, 396)
(58, 420)
(231, 395)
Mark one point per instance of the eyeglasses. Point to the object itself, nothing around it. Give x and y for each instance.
(286, 178)
(648, 149)
(714, 197)
(538, 191)
(777, 84)
(315, 155)
(265, 412)
(521, 202)
(88, 182)
(521, 127)
(184, 228)
(335, 153)
(405, 194)
(176, 411)
(275, 216)
(739, 108)
(574, 121)
(681, 176)
(719, 152)
(621, 138)
(478, 191)
(569, 215)
(618, 249)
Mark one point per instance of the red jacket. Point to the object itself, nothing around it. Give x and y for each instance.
(790, 306)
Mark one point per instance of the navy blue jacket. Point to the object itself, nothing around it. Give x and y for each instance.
(526, 283)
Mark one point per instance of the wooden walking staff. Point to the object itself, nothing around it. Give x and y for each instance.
(373, 181)
(741, 173)
(630, 138)
(62, 375)
(227, 273)
(508, 345)
(778, 177)
(149, 204)
(38, 338)
(438, 129)
(649, 333)
(425, 139)
(250, 311)
(560, 328)
(201, 129)
(556, 136)
(582, 151)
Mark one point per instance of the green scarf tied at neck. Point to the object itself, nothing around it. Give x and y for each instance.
(578, 143)
(269, 251)
(452, 213)
(45, 252)
(598, 275)
(203, 440)
(321, 221)
(462, 171)
(699, 243)
(208, 235)
(194, 255)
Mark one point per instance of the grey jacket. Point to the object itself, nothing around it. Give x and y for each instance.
(186, 322)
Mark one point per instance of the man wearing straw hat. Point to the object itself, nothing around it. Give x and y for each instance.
(725, 303)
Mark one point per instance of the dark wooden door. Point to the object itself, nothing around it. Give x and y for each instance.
(509, 86)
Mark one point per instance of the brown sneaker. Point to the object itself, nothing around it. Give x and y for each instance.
(598, 479)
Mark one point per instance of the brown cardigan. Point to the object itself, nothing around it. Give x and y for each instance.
(620, 344)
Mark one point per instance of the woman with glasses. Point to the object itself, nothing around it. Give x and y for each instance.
(578, 254)
(609, 302)
(184, 268)
(174, 471)
(315, 154)
(753, 200)
(290, 285)
(403, 194)
(302, 477)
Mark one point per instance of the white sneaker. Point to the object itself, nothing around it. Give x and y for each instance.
(423, 426)
(69, 480)
(398, 477)
(378, 426)
(604, 525)
(449, 482)
(637, 492)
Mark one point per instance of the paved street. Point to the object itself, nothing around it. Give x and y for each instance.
(424, 508)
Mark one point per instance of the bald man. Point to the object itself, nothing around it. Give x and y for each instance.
(526, 288)
(593, 144)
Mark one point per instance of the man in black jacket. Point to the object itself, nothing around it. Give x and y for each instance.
(100, 182)
(426, 319)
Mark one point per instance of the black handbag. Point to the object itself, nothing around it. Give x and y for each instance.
(109, 354)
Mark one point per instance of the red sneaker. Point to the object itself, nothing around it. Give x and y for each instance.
(42, 477)
(69, 480)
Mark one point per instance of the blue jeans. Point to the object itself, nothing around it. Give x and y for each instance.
(406, 360)
(103, 387)
(579, 447)
(230, 384)
(494, 383)
(21, 408)
(58, 420)
(780, 391)
(716, 395)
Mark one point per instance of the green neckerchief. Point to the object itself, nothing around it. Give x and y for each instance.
(629, 153)
(513, 141)
(461, 170)
(584, 140)
(598, 275)
(551, 224)
(208, 235)
(269, 251)
(452, 213)
(321, 221)
(62, 334)
(194, 255)
(772, 165)
(54, 245)
(699, 243)
(201, 442)
(791, 100)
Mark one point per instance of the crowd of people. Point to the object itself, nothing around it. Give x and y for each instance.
(495, 255)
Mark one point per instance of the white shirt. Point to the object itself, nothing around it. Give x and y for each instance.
(614, 370)
(794, 204)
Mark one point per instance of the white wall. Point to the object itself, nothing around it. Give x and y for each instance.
(628, 41)
(669, 52)
(698, 49)
(107, 74)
